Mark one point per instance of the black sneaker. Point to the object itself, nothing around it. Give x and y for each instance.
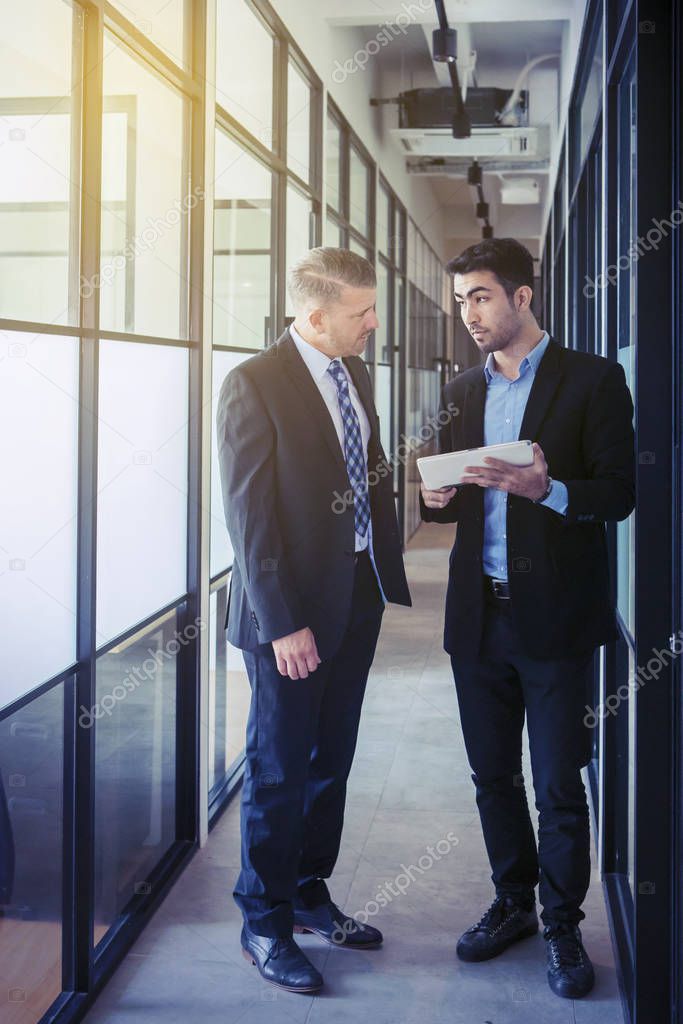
(570, 972)
(505, 922)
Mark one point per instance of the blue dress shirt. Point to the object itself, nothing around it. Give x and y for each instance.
(505, 404)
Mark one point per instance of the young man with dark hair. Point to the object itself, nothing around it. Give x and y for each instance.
(529, 597)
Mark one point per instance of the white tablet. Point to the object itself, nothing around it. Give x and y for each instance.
(446, 470)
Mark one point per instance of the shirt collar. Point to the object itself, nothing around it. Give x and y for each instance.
(530, 361)
(316, 361)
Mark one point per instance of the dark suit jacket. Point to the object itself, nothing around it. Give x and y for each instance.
(284, 479)
(580, 413)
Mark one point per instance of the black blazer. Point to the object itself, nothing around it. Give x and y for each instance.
(284, 480)
(580, 412)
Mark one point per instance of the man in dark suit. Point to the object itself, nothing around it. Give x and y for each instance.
(317, 554)
(529, 596)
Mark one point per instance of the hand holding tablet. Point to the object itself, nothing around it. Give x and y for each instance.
(447, 470)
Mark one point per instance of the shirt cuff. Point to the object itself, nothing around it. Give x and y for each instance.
(558, 499)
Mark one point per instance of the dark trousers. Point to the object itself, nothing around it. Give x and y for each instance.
(301, 738)
(494, 694)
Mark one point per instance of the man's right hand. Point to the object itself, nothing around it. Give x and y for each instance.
(296, 654)
(439, 498)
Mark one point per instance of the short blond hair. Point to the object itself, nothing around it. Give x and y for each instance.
(321, 274)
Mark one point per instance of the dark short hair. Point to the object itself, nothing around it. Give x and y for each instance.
(507, 258)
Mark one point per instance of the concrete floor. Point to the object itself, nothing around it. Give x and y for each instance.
(410, 787)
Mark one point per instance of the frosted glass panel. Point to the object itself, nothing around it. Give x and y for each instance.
(298, 123)
(221, 548)
(299, 211)
(38, 454)
(142, 482)
(36, 112)
(244, 68)
(145, 201)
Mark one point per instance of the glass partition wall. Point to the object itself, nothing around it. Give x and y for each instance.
(142, 258)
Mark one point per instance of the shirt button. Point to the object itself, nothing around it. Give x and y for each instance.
(507, 420)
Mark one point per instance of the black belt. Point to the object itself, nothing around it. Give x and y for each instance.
(498, 588)
(358, 555)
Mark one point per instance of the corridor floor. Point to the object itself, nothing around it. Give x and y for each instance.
(410, 790)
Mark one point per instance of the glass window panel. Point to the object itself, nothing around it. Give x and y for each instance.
(335, 234)
(333, 164)
(298, 123)
(229, 694)
(135, 754)
(358, 197)
(356, 246)
(145, 204)
(383, 340)
(221, 548)
(38, 204)
(241, 298)
(384, 223)
(383, 402)
(142, 482)
(39, 456)
(31, 859)
(244, 68)
(166, 24)
(591, 101)
(299, 215)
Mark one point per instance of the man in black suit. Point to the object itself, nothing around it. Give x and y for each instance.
(317, 554)
(529, 596)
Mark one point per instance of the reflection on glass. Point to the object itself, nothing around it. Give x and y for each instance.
(591, 101)
(298, 123)
(229, 694)
(165, 24)
(626, 300)
(142, 483)
(145, 204)
(221, 549)
(39, 455)
(135, 744)
(241, 299)
(333, 164)
(359, 181)
(38, 204)
(31, 861)
(244, 68)
(298, 232)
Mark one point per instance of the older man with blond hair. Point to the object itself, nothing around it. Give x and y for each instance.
(297, 427)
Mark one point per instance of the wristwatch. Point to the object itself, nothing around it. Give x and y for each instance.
(546, 493)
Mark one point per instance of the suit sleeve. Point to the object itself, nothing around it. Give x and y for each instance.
(449, 514)
(608, 446)
(246, 457)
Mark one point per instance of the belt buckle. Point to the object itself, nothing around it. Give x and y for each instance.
(498, 587)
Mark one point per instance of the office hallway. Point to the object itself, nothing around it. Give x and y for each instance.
(410, 790)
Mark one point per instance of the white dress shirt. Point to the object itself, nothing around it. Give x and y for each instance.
(317, 363)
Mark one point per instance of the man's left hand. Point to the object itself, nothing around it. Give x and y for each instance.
(526, 481)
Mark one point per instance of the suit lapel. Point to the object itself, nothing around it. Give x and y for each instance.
(473, 413)
(308, 390)
(546, 382)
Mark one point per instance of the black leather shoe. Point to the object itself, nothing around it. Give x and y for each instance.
(570, 972)
(504, 923)
(281, 962)
(329, 923)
